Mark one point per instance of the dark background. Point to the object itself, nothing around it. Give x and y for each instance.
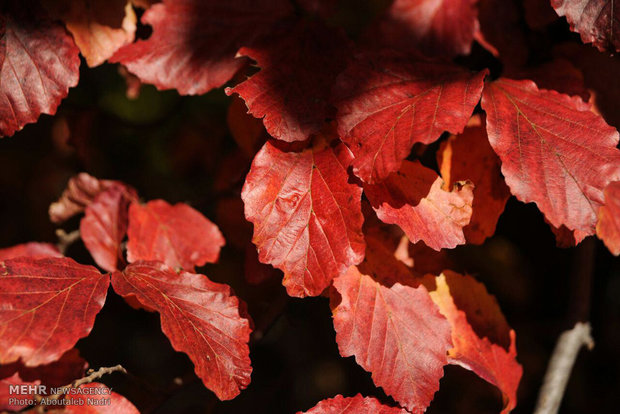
(180, 149)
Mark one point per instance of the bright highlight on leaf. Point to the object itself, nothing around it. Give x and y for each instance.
(413, 199)
(38, 64)
(395, 333)
(442, 28)
(352, 405)
(47, 305)
(554, 151)
(32, 249)
(387, 102)
(194, 42)
(306, 213)
(177, 235)
(200, 317)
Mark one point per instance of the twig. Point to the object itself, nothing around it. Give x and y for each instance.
(92, 375)
(560, 366)
(66, 239)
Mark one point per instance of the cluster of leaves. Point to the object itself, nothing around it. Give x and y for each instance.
(348, 122)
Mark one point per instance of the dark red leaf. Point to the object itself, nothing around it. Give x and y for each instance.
(435, 27)
(502, 31)
(467, 305)
(387, 102)
(99, 27)
(469, 156)
(68, 368)
(194, 42)
(597, 21)
(352, 405)
(247, 131)
(554, 150)
(292, 89)
(38, 64)
(177, 235)
(32, 249)
(104, 225)
(201, 318)
(48, 304)
(306, 213)
(608, 226)
(395, 333)
(98, 402)
(413, 199)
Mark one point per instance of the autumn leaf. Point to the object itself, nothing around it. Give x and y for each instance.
(59, 373)
(104, 225)
(99, 27)
(90, 401)
(48, 304)
(194, 42)
(352, 405)
(554, 150)
(473, 351)
(31, 249)
(6, 395)
(435, 27)
(468, 156)
(597, 21)
(413, 199)
(80, 192)
(292, 89)
(395, 333)
(306, 213)
(387, 102)
(247, 131)
(608, 226)
(502, 32)
(39, 62)
(177, 235)
(200, 317)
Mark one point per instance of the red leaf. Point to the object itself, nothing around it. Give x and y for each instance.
(247, 131)
(435, 27)
(386, 103)
(201, 318)
(352, 405)
(395, 333)
(104, 225)
(474, 351)
(597, 21)
(413, 199)
(194, 42)
(80, 192)
(93, 402)
(48, 304)
(32, 249)
(469, 156)
(307, 215)
(56, 374)
(99, 27)
(292, 89)
(502, 31)
(554, 151)
(177, 235)
(38, 64)
(6, 395)
(608, 226)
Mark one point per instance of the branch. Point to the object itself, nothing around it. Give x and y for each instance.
(66, 239)
(560, 366)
